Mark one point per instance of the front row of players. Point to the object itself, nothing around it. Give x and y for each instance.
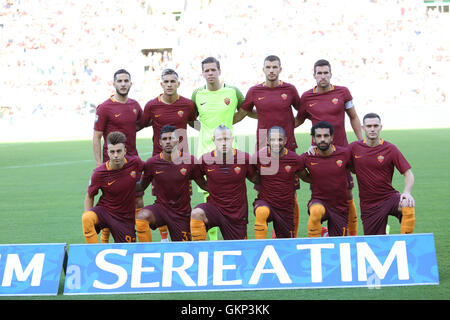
(273, 169)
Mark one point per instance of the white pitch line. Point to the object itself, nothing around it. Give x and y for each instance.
(51, 164)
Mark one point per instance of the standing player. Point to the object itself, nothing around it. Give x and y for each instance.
(327, 102)
(116, 178)
(226, 171)
(328, 169)
(172, 170)
(216, 104)
(118, 113)
(277, 168)
(273, 100)
(168, 108)
(374, 160)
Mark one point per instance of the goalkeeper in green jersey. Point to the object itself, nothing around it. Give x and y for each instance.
(216, 103)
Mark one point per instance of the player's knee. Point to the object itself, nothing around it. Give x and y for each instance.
(146, 215)
(198, 214)
(89, 219)
(262, 213)
(316, 212)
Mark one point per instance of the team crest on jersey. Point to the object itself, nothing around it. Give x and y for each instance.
(183, 171)
(335, 100)
(180, 113)
(133, 174)
(380, 159)
(237, 170)
(227, 101)
(135, 111)
(287, 168)
(284, 96)
(339, 163)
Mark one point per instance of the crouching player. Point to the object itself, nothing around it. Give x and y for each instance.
(115, 209)
(374, 160)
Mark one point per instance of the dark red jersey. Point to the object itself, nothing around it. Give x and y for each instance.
(374, 167)
(115, 116)
(226, 184)
(172, 180)
(158, 114)
(329, 176)
(329, 106)
(277, 177)
(118, 187)
(274, 108)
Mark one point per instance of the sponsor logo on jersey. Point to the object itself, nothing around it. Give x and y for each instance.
(110, 183)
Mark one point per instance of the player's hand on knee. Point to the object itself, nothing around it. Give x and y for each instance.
(406, 200)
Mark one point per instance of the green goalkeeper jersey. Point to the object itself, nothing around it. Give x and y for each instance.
(215, 108)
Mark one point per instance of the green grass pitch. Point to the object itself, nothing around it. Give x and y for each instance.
(43, 187)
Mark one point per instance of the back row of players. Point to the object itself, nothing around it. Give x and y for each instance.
(274, 168)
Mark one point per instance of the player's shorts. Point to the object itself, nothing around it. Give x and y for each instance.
(337, 219)
(283, 220)
(374, 220)
(229, 230)
(178, 224)
(122, 231)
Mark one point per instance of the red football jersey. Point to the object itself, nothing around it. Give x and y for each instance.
(173, 181)
(158, 114)
(118, 187)
(329, 176)
(115, 116)
(374, 167)
(328, 106)
(226, 184)
(274, 108)
(277, 178)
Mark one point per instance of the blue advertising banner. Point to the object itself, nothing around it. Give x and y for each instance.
(31, 269)
(361, 261)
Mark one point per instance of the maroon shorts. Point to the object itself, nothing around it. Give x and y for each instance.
(177, 223)
(283, 220)
(230, 230)
(122, 231)
(337, 219)
(374, 220)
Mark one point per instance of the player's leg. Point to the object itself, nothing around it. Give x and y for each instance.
(104, 235)
(89, 220)
(198, 224)
(296, 216)
(143, 220)
(316, 213)
(262, 213)
(352, 213)
(212, 232)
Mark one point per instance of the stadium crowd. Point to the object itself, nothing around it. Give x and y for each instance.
(57, 57)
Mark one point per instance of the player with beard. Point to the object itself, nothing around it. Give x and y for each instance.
(118, 113)
(328, 170)
(172, 171)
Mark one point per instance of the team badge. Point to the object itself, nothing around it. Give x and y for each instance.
(380, 159)
(133, 174)
(339, 163)
(284, 96)
(287, 168)
(237, 170)
(135, 111)
(183, 171)
(180, 113)
(335, 100)
(227, 101)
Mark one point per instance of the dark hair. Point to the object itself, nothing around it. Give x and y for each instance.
(272, 58)
(321, 63)
(276, 128)
(371, 115)
(121, 71)
(167, 128)
(211, 60)
(322, 125)
(116, 137)
(166, 72)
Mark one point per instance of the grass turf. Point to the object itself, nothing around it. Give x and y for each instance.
(43, 187)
